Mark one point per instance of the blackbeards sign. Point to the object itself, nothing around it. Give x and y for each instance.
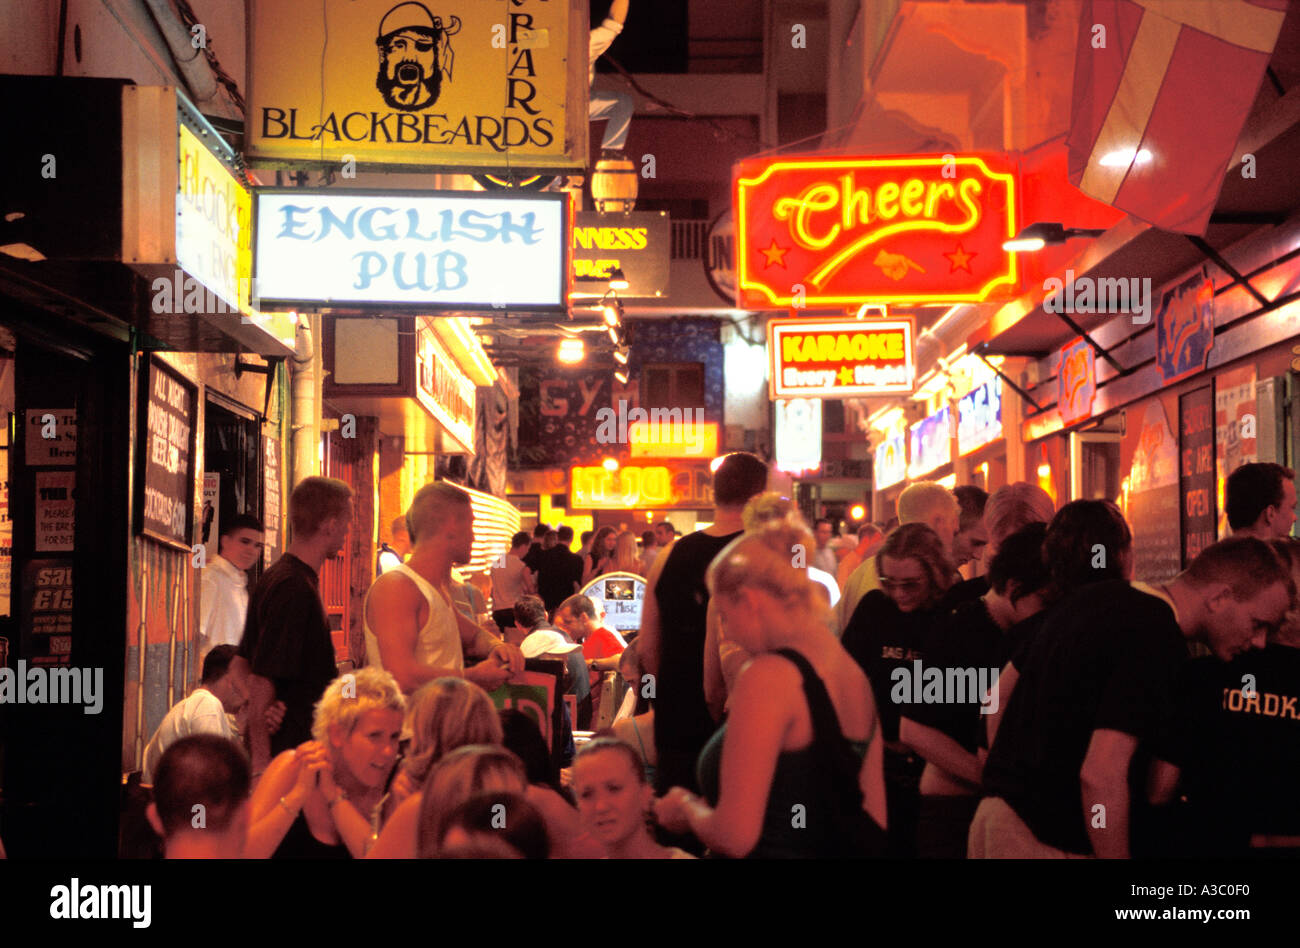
(440, 83)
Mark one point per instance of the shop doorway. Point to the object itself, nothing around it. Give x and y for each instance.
(232, 469)
(1094, 465)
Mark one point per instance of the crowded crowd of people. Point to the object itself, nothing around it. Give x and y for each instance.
(985, 678)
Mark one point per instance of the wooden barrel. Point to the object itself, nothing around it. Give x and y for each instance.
(614, 185)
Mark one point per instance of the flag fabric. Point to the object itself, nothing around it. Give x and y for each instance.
(1162, 89)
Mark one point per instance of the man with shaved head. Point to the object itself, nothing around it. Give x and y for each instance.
(412, 628)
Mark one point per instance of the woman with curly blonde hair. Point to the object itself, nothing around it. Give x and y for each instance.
(316, 801)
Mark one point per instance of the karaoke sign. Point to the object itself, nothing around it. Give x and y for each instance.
(837, 232)
(840, 358)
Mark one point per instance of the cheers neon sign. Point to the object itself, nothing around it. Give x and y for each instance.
(832, 232)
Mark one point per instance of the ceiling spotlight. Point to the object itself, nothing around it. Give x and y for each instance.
(621, 376)
(617, 281)
(1036, 236)
(571, 351)
(620, 356)
(613, 334)
(611, 315)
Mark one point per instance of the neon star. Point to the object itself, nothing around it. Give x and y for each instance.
(960, 259)
(846, 376)
(774, 254)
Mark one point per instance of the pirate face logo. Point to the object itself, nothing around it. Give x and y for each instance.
(414, 54)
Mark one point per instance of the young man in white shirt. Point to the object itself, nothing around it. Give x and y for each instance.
(221, 692)
(224, 587)
(609, 104)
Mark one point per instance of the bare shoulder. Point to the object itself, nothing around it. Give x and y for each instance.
(764, 674)
(394, 587)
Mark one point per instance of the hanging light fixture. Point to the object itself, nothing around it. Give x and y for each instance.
(620, 355)
(621, 376)
(571, 351)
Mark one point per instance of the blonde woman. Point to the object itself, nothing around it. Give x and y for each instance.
(796, 770)
(723, 658)
(317, 801)
(445, 714)
(626, 559)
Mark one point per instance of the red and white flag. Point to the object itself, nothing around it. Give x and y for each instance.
(1162, 89)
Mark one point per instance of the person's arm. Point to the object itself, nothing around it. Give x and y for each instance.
(500, 659)
(648, 638)
(1005, 684)
(353, 826)
(1104, 781)
(1162, 782)
(261, 693)
(618, 11)
(939, 749)
(279, 797)
(397, 840)
(715, 686)
(871, 779)
(392, 609)
(563, 825)
(760, 719)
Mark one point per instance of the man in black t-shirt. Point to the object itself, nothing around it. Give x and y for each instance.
(559, 569)
(536, 547)
(1098, 684)
(673, 619)
(1237, 751)
(287, 645)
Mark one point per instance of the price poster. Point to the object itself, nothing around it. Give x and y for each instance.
(1196, 470)
(47, 591)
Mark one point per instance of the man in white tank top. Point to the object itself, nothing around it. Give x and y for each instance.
(411, 627)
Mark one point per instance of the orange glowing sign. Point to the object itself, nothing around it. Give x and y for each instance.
(686, 439)
(823, 232)
(633, 486)
(839, 358)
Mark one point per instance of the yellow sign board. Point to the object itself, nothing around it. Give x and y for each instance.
(440, 83)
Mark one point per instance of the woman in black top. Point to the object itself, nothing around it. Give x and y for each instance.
(601, 558)
(316, 801)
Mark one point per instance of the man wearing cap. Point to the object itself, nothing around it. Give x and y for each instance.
(543, 640)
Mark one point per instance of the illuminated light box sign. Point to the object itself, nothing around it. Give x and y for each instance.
(798, 434)
(439, 83)
(431, 250)
(890, 466)
(839, 358)
(931, 441)
(633, 486)
(979, 416)
(674, 438)
(443, 388)
(636, 243)
(819, 232)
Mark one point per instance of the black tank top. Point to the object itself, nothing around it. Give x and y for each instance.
(682, 719)
(299, 843)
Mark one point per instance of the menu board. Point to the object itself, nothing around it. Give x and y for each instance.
(1196, 470)
(271, 500)
(165, 495)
